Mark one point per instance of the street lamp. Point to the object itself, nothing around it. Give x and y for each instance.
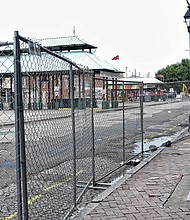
(187, 21)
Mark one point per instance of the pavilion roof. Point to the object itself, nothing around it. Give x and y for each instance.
(65, 43)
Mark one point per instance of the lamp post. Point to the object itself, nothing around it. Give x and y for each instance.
(187, 21)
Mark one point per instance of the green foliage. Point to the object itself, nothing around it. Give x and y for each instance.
(176, 72)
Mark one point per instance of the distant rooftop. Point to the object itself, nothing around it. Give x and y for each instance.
(73, 48)
(79, 51)
(145, 80)
(90, 60)
(65, 43)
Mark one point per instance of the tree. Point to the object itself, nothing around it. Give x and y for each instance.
(176, 72)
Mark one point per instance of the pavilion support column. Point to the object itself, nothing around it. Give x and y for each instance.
(80, 103)
(61, 104)
(11, 93)
(49, 92)
(115, 89)
(34, 92)
(103, 97)
(53, 95)
(29, 92)
(56, 92)
(61, 85)
(112, 93)
(83, 89)
(106, 88)
(40, 91)
(69, 85)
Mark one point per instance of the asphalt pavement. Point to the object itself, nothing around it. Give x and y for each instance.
(158, 188)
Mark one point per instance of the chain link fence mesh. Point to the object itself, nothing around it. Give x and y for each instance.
(78, 129)
(117, 122)
(8, 196)
(57, 133)
(56, 143)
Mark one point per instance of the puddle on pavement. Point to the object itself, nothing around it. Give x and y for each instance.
(157, 141)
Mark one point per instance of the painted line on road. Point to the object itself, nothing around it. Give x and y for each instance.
(39, 196)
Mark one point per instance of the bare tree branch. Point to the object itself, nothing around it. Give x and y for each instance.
(187, 2)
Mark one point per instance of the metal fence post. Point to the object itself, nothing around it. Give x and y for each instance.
(92, 93)
(73, 133)
(19, 133)
(123, 100)
(141, 112)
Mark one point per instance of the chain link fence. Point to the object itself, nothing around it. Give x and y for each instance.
(116, 125)
(57, 134)
(8, 186)
(65, 130)
(46, 114)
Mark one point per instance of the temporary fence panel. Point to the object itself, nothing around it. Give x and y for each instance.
(117, 121)
(83, 135)
(133, 120)
(55, 120)
(46, 174)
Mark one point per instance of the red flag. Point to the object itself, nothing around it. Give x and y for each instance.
(116, 57)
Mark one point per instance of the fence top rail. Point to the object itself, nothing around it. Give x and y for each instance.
(6, 43)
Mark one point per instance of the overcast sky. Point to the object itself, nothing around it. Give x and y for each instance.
(147, 34)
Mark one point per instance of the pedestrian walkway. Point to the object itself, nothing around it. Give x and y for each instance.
(157, 189)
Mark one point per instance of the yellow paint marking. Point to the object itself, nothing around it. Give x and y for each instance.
(79, 172)
(14, 215)
(61, 183)
(37, 197)
(53, 186)
(34, 199)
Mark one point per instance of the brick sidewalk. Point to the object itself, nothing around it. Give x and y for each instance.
(157, 189)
